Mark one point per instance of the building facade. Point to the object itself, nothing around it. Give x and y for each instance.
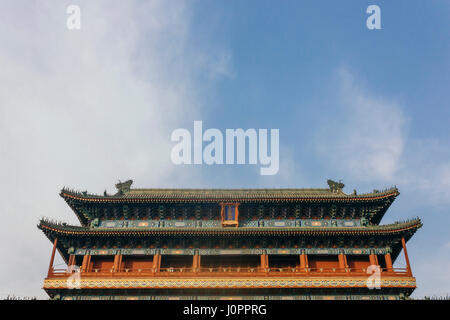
(230, 244)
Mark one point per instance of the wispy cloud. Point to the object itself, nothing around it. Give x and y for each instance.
(221, 65)
(426, 170)
(85, 108)
(365, 135)
(366, 138)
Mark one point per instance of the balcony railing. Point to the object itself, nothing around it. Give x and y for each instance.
(231, 272)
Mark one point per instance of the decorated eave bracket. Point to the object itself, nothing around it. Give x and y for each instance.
(229, 213)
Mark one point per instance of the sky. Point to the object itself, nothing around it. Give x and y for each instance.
(85, 108)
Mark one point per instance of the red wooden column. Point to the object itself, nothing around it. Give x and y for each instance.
(388, 259)
(342, 264)
(307, 263)
(264, 262)
(373, 259)
(406, 257)
(156, 262)
(85, 264)
(71, 261)
(303, 262)
(116, 258)
(89, 264)
(196, 262)
(347, 269)
(52, 258)
(159, 262)
(117, 262)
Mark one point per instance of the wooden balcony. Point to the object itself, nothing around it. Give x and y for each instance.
(229, 272)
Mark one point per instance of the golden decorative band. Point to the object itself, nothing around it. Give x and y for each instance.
(127, 283)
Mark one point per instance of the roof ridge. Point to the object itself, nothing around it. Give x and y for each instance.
(149, 191)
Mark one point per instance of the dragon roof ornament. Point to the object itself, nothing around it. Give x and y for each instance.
(124, 187)
(335, 187)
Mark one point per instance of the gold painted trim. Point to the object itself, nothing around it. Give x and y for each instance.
(161, 283)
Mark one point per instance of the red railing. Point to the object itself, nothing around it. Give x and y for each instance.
(231, 271)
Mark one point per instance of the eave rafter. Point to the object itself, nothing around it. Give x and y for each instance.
(383, 230)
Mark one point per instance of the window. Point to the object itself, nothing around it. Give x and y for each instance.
(229, 213)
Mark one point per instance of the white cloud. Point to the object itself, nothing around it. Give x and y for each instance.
(85, 108)
(365, 136)
(221, 65)
(426, 170)
(287, 176)
(365, 140)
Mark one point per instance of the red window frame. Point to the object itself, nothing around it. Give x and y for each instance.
(226, 221)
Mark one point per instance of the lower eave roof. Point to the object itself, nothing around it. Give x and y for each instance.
(53, 229)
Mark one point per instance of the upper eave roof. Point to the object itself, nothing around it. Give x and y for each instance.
(78, 201)
(224, 195)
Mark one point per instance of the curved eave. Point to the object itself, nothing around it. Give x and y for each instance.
(248, 198)
(83, 220)
(393, 229)
(397, 248)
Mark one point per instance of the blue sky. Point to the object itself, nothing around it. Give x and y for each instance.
(86, 108)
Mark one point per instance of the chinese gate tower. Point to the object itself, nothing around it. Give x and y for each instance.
(230, 244)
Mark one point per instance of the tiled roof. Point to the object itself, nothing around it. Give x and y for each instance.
(242, 195)
(389, 229)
